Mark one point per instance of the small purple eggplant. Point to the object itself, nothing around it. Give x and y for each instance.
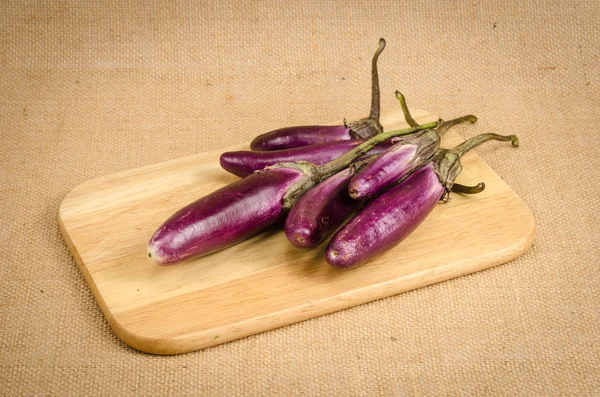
(245, 162)
(248, 206)
(393, 164)
(396, 213)
(298, 136)
(367, 127)
(318, 213)
(402, 158)
(224, 217)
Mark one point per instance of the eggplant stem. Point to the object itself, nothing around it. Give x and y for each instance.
(447, 163)
(375, 94)
(472, 143)
(370, 126)
(458, 188)
(328, 169)
(446, 125)
(407, 116)
(315, 174)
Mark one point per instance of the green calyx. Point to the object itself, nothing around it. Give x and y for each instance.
(448, 166)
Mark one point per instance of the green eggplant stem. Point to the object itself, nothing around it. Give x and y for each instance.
(472, 143)
(314, 174)
(407, 116)
(458, 188)
(442, 128)
(375, 94)
(447, 163)
(446, 125)
(328, 169)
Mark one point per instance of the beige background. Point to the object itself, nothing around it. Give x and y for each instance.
(90, 88)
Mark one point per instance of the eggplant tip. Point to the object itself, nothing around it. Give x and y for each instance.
(301, 239)
(153, 256)
(340, 259)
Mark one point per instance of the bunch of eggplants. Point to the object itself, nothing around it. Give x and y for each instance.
(368, 188)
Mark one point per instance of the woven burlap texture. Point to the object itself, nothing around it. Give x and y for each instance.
(91, 88)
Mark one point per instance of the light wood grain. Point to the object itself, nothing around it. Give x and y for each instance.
(264, 282)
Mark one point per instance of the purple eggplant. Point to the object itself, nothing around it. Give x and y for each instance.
(248, 206)
(396, 213)
(367, 127)
(393, 164)
(224, 217)
(387, 220)
(320, 211)
(245, 162)
(292, 137)
(402, 158)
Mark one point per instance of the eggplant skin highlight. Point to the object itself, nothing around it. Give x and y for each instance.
(387, 220)
(223, 218)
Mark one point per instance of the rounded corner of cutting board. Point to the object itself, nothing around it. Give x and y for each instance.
(525, 234)
(163, 345)
(140, 342)
(71, 194)
(529, 230)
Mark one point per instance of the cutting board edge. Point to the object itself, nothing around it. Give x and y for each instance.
(205, 338)
(86, 274)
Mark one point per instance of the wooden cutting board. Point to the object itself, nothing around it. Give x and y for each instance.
(264, 282)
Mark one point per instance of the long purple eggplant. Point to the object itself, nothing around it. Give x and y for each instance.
(318, 213)
(223, 218)
(248, 206)
(367, 127)
(245, 162)
(400, 159)
(396, 213)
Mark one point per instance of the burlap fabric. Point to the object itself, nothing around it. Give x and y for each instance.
(90, 88)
